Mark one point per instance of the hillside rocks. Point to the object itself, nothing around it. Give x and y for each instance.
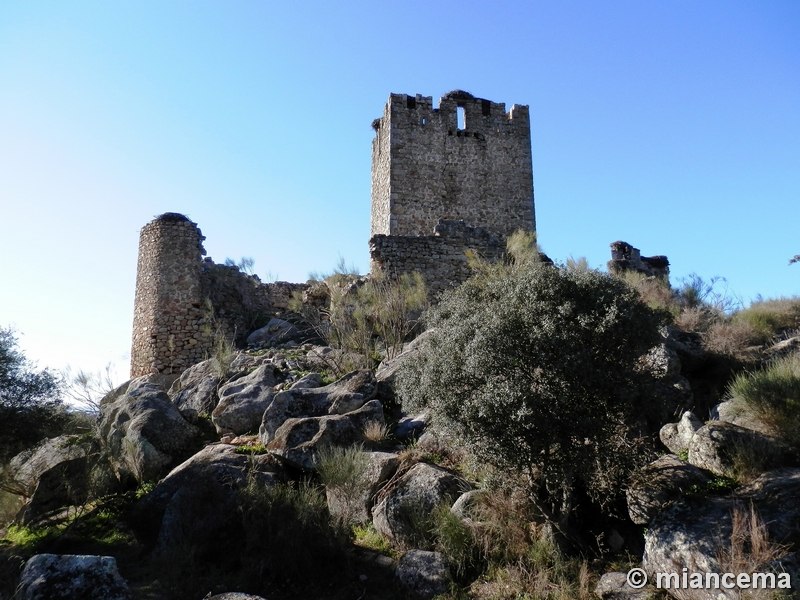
(143, 431)
(243, 400)
(195, 505)
(196, 388)
(71, 576)
(342, 396)
(659, 483)
(298, 441)
(406, 505)
(696, 533)
(387, 370)
(718, 446)
(425, 573)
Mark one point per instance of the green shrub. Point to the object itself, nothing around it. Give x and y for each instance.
(536, 371)
(773, 396)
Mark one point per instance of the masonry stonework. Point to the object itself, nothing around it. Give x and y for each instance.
(169, 325)
(184, 302)
(443, 184)
(427, 166)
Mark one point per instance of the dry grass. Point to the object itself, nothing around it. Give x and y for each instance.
(376, 432)
(697, 319)
(769, 318)
(733, 338)
(655, 292)
(750, 549)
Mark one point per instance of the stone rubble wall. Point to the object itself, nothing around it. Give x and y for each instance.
(424, 168)
(440, 258)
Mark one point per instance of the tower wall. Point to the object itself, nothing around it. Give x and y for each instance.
(170, 327)
(426, 168)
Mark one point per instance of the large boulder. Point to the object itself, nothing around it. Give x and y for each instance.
(277, 331)
(425, 573)
(342, 396)
(380, 467)
(26, 468)
(59, 472)
(196, 504)
(697, 533)
(676, 436)
(736, 412)
(728, 450)
(143, 432)
(658, 484)
(242, 401)
(298, 441)
(402, 513)
(72, 576)
(196, 388)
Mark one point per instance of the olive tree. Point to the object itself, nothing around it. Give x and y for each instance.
(535, 369)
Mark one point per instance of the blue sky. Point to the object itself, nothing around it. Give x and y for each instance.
(672, 125)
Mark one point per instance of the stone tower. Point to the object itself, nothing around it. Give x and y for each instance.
(170, 331)
(467, 160)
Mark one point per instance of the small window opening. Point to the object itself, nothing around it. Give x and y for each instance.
(460, 116)
(424, 120)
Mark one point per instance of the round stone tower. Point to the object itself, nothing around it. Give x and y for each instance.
(170, 324)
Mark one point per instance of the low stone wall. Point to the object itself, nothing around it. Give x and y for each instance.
(625, 257)
(440, 258)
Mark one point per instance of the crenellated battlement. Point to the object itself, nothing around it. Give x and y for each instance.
(468, 159)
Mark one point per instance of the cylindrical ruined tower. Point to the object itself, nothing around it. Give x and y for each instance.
(170, 324)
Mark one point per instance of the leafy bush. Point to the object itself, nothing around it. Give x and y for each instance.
(535, 371)
(773, 396)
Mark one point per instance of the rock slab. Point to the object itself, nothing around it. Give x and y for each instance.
(72, 576)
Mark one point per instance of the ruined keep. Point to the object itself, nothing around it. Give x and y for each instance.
(184, 302)
(445, 180)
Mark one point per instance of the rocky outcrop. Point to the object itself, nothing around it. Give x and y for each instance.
(71, 576)
(380, 467)
(406, 504)
(342, 396)
(676, 436)
(725, 449)
(277, 331)
(195, 505)
(196, 388)
(243, 400)
(659, 484)
(143, 431)
(424, 573)
(298, 441)
(696, 532)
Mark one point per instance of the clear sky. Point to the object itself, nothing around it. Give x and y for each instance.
(672, 125)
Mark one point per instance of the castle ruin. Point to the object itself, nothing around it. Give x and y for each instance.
(445, 180)
(184, 302)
